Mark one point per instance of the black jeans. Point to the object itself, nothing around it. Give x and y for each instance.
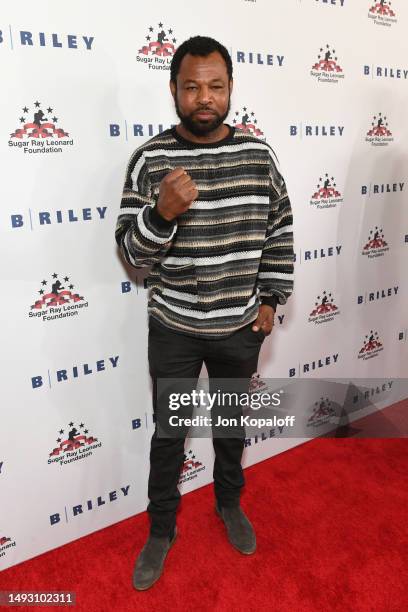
(175, 355)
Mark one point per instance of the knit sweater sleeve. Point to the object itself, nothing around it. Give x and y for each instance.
(142, 234)
(275, 274)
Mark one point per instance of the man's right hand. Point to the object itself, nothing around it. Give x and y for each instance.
(177, 192)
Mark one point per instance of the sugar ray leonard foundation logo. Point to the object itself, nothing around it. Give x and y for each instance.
(376, 246)
(323, 413)
(191, 467)
(372, 346)
(379, 135)
(57, 300)
(5, 544)
(327, 69)
(246, 121)
(327, 194)
(382, 13)
(324, 310)
(39, 132)
(158, 49)
(257, 384)
(73, 444)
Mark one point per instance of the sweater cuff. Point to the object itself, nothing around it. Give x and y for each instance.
(271, 300)
(160, 222)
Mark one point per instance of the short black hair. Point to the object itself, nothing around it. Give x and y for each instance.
(201, 46)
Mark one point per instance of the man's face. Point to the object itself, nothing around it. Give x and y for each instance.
(202, 94)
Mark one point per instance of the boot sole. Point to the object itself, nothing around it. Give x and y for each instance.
(144, 588)
(243, 552)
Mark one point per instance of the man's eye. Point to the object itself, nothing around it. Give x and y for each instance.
(191, 87)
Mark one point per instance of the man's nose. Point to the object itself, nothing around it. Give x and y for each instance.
(204, 95)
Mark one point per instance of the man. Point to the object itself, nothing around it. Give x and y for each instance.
(205, 205)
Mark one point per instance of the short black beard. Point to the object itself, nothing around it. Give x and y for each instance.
(197, 128)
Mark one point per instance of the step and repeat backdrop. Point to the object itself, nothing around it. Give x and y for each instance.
(325, 82)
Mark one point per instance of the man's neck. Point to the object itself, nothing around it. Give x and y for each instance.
(218, 134)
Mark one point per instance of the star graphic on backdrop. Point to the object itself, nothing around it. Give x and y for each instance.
(58, 439)
(71, 424)
(82, 426)
(237, 112)
(71, 286)
(244, 108)
(61, 431)
(49, 110)
(174, 40)
(148, 38)
(170, 31)
(54, 275)
(44, 282)
(255, 121)
(86, 431)
(22, 119)
(160, 25)
(25, 110)
(55, 119)
(41, 291)
(66, 278)
(150, 29)
(37, 104)
(252, 113)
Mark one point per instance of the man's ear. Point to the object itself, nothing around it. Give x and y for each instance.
(231, 84)
(173, 89)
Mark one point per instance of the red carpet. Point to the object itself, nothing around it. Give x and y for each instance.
(332, 525)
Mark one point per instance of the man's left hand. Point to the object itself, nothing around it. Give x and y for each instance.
(265, 319)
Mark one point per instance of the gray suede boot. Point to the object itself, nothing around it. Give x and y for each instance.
(149, 564)
(240, 532)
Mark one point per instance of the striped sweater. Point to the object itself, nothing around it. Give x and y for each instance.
(229, 252)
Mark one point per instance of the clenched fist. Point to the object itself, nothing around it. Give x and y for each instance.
(177, 192)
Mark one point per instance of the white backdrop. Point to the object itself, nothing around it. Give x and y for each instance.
(318, 77)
